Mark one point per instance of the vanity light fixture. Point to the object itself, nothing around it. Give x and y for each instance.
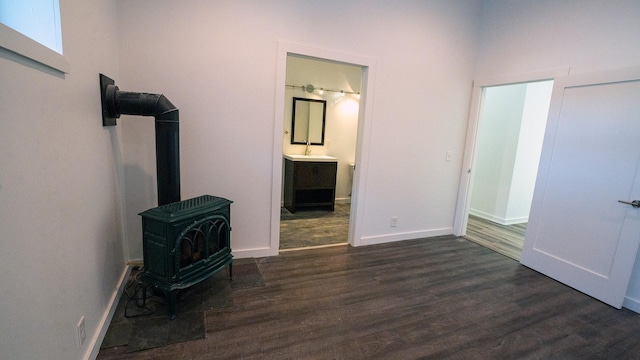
(310, 89)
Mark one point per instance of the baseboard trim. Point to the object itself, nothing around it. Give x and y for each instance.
(497, 219)
(314, 247)
(253, 253)
(631, 304)
(410, 235)
(98, 337)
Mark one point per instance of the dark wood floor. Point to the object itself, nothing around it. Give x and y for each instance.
(312, 228)
(437, 298)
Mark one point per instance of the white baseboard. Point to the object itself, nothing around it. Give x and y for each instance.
(253, 253)
(410, 235)
(497, 219)
(365, 240)
(136, 262)
(513, 221)
(631, 304)
(96, 341)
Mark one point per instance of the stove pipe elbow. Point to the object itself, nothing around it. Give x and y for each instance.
(139, 103)
(116, 103)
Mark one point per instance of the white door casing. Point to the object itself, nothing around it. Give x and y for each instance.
(578, 232)
(365, 116)
(467, 170)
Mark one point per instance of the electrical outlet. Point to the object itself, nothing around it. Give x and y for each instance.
(394, 221)
(82, 332)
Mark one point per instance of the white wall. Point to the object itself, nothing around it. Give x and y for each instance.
(341, 117)
(520, 37)
(497, 144)
(584, 35)
(509, 142)
(217, 62)
(534, 120)
(61, 235)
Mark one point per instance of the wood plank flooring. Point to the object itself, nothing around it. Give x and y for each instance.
(309, 228)
(505, 239)
(436, 298)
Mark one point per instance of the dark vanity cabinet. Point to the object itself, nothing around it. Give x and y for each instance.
(309, 184)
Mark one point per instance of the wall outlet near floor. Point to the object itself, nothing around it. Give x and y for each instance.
(82, 332)
(394, 221)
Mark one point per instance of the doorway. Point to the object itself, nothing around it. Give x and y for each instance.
(365, 113)
(508, 143)
(335, 88)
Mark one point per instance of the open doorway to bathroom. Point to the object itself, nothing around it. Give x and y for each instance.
(511, 128)
(337, 86)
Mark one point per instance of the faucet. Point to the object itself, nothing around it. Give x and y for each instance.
(307, 151)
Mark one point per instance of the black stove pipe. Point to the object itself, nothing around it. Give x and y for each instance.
(116, 103)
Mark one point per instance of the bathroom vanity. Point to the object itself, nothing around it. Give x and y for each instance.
(309, 182)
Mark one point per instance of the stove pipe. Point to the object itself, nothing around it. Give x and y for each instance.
(116, 103)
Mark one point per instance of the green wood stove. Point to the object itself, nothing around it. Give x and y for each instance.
(185, 242)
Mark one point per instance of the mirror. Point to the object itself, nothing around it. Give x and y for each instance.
(307, 123)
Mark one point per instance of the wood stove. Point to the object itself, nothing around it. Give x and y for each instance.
(184, 243)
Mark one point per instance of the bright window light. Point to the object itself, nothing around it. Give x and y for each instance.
(37, 19)
(32, 28)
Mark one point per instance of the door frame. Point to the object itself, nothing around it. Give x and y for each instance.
(365, 115)
(468, 161)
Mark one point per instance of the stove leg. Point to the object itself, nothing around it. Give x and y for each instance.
(231, 271)
(171, 301)
(144, 295)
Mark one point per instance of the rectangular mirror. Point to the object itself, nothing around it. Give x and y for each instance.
(308, 121)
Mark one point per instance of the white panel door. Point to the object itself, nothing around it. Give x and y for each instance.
(578, 232)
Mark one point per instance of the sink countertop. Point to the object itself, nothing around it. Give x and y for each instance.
(325, 158)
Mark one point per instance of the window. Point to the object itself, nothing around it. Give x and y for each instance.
(31, 28)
